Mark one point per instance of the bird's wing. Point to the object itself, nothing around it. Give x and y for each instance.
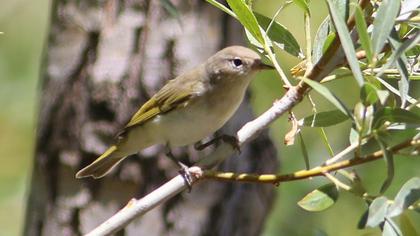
(164, 101)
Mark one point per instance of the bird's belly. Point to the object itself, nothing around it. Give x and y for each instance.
(193, 123)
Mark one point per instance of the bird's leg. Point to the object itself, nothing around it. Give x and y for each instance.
(232, 140)
(183, 168)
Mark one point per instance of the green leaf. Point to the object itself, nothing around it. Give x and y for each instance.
(304, 151)
(342, 8)
(363, 116)
(389, 160)
(368, 94)
(395, 115)
(377, 211)
(303, 4)
(384, 23)
(363, 33)
(252, 40)
(363, 220)
(346, 42)
(320, 199)
(402, 48)
(319, 41)
(401, 61)
(407, 227)
(328, 41)
(280, 35)
(383, 96)
(403, 84)
(326, 142)
(393, 90)
(413, 52)
(324, 91)
(407, 196)
(247, 18)
(324, 119)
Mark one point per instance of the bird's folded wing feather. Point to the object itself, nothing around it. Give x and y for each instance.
(164, 101)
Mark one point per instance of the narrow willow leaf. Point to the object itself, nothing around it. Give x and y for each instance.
(407, 227)
(324, 91)
(363, 220)
(413, 52)
(389, 160)
(326, 142)
(320, 199)
(346, 42)
(383, 96)
(247, 18)
(304, 151)
(303, 4)
(395, 115)
(319, 41)
(342, 7)
(403, 83)
(253, 40)
(398, 57)
(363, 33)
(393, 90)
(328, 41)
(324, 119)
(398, 52)
(377, 211)
(363, 116)
(280, 35)
(408, 195)
(368, 94)
(384, 23)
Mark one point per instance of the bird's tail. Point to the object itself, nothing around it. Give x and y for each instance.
(102, 165)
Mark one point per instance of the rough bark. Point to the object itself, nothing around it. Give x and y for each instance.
(103, 60)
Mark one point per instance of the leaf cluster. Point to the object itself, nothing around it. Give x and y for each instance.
(379, 41)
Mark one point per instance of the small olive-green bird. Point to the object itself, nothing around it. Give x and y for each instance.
(187, 109)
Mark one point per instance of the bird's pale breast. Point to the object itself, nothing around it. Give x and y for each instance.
(202, 117)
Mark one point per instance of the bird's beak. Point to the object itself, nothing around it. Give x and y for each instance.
(262, 66)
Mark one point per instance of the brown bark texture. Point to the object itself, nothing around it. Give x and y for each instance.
(102, 61)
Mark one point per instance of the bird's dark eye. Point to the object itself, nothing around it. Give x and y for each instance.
(237, 62)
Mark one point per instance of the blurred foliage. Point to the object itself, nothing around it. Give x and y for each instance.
(24, 25)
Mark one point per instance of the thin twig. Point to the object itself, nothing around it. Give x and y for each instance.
(304, 174)
(337, 182)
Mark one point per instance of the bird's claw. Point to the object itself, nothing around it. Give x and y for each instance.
(186, 174)
(232, 140)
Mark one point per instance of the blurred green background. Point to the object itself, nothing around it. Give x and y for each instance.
(24, 25)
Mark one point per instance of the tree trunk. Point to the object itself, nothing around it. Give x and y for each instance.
(104, 59)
